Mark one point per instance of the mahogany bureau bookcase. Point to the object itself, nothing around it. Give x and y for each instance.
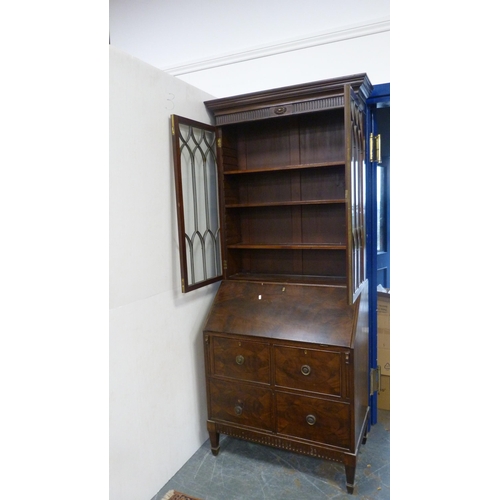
(271, 203)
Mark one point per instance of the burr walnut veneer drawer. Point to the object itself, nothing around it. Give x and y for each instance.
(241, 403)
(314, 419)
(241, 359)
(310, 370)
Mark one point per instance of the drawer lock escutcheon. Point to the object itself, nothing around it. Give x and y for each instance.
(240, 359)
(238, 410)
(305, 369)
(311, 419)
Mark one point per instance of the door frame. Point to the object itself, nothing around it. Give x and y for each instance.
(379, 95)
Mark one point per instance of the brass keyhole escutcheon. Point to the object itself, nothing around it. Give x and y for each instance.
(305, 369)
(240, 359)
(311, 419)
(238, 410)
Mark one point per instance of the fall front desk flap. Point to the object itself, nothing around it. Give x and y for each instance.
(284, 311)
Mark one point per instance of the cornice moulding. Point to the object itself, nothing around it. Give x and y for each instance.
(323, 38)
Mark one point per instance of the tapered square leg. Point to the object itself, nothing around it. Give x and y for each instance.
(365, 435)
(350, 473)
(214, 438)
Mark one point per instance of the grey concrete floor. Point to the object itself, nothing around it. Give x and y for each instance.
(249, 471)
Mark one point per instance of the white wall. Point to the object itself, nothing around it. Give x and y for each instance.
(157, 392)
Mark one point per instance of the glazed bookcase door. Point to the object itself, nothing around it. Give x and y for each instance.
(355, 193)
(197, 196)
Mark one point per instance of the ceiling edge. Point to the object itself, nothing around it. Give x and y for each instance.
(346, 33)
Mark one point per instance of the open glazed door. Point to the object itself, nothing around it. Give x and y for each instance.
(197, 196)
(355, 193)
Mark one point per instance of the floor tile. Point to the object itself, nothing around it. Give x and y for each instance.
(249, 471)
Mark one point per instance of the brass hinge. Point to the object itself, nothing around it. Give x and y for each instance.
(173, 126)
(224, 265)
(219, 142)
(182, 286)
(375, 380)
(375, 148)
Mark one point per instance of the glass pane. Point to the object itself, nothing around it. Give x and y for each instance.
(357, 245)
(200, 199)
(381, 215)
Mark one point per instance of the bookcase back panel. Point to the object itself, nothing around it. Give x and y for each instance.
(267, 225)
(271, 187)
(266, 261)
(283, 264)
(322, 137)
(285, 225)
(331, 263)
(285, 141)
(325, 183)
(265, 144)
(322, 184)
(323, 224)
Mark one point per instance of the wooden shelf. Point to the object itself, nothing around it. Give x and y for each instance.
(286, 203)
(289, 246)
(285, 168)
(337, 281)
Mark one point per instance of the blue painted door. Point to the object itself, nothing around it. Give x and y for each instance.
(377, 211)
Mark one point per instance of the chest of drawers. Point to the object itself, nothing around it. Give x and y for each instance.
(286, 366)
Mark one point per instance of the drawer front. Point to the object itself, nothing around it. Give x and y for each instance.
(313, 419)
(241, 403)
(240, 359)
(309, 370)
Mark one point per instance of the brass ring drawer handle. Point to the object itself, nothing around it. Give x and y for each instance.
(305, 369)
(238, 410)
(311, 419)
(240, 359)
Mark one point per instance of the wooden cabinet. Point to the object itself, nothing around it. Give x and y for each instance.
(286, 339)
